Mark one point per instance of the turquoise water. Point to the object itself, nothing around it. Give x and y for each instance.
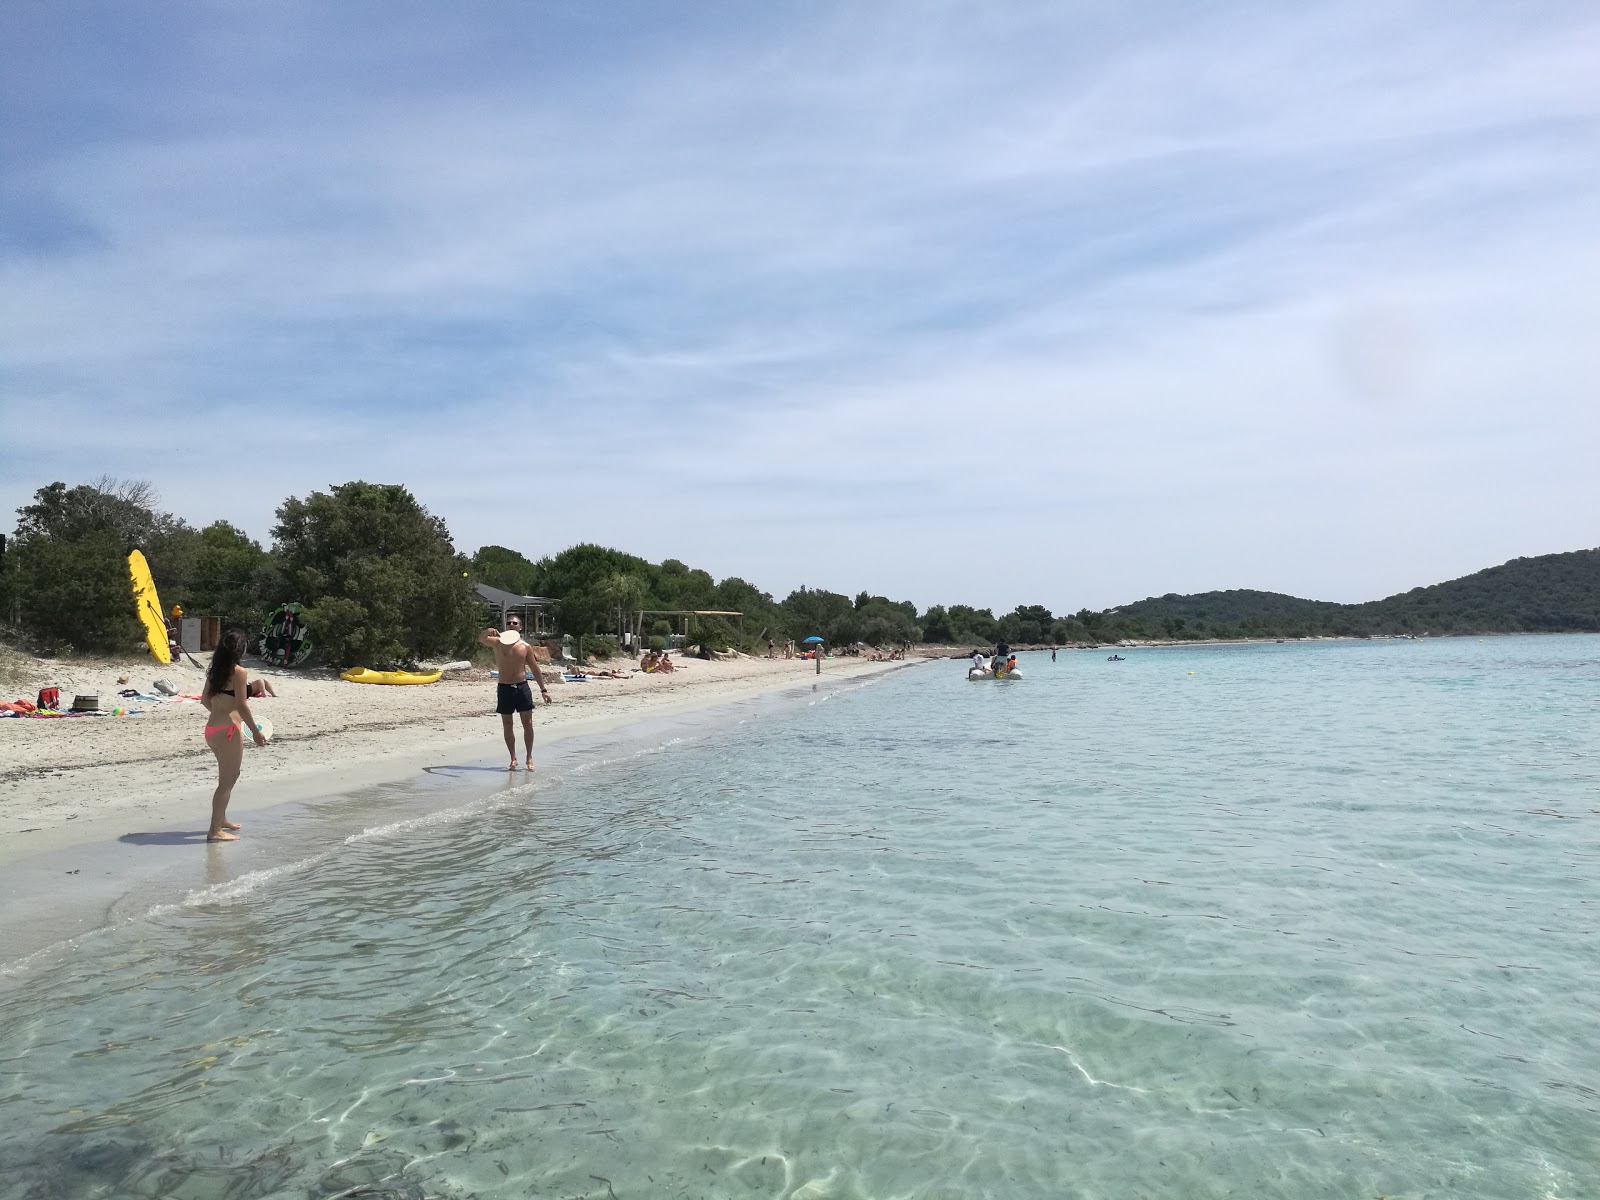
(1309, 921)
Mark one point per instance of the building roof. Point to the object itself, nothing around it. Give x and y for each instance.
(504, 599)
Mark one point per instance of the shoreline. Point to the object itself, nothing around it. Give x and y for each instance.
(143, 848)
(83, 780)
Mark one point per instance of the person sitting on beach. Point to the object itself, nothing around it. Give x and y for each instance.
(649, 662)
(261, 687)
(665, 666)
(226, 697)
(514, 659)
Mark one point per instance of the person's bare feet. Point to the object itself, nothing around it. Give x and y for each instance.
(233, 825)
(221, 835)
(513, 765)
(530, 765)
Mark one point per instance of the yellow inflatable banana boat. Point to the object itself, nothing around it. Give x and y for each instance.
(362, 675)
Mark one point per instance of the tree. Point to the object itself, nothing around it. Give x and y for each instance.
(505, 569)
(123, 508)
(380, 579)
(936, 625)
(880, 621)
(809, 611)
(233, 577)
(71, 584)
(622, 592)
(76, 594)
(972, 624)
(1069, 629)
(1029, 623)
(678, 585)
(575, 579)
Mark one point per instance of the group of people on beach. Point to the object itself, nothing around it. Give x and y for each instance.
(229, 689)
(657, 662)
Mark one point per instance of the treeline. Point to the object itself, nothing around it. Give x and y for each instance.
(380, 580)
(378, 575)
(598, 590)
(383, 585)
(597, 586)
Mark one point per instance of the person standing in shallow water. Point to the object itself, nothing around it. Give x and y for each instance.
(514, 659)
(227, 700)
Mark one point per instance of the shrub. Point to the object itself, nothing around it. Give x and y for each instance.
(381, 582)
(75, 593)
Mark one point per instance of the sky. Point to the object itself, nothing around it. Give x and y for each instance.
(1060, 303)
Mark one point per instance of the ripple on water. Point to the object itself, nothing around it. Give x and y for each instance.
(1313, 922)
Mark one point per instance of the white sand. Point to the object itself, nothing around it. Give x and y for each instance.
(79, 779)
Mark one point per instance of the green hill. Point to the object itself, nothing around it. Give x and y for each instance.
(1550, 593)
(1553, 592)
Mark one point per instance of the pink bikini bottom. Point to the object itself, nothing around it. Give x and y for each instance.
(231, 728)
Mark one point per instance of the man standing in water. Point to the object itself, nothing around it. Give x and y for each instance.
(514, 659)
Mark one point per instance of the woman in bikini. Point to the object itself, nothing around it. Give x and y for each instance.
(226, 697)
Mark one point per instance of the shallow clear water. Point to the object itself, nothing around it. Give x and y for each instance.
(1280, 921)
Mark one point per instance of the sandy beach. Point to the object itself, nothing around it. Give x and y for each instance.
(84, 779)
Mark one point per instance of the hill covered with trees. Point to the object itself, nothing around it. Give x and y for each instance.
(1547, 594)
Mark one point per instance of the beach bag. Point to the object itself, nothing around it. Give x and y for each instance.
(50, 698)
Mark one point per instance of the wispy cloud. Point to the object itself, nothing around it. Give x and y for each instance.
(1000, 303)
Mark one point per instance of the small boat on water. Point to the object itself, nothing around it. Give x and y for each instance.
(979, 674)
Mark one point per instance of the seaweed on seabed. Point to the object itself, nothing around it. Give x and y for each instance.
(73, 1168)
(371, 1175)
(138, 1168)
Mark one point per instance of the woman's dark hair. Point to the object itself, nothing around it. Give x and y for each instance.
(223, 660)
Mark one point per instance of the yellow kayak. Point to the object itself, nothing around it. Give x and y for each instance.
(149, 607)
(362, 675)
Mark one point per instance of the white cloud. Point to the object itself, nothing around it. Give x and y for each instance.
(981, 303)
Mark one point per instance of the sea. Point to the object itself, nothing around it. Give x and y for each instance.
(1303, 920)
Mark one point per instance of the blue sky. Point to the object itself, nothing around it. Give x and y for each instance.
(1060, 303)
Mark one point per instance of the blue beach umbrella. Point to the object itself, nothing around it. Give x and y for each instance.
(803, 641)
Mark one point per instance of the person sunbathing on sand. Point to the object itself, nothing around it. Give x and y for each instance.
(649, 662)
(514, 659)
(665, 667)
